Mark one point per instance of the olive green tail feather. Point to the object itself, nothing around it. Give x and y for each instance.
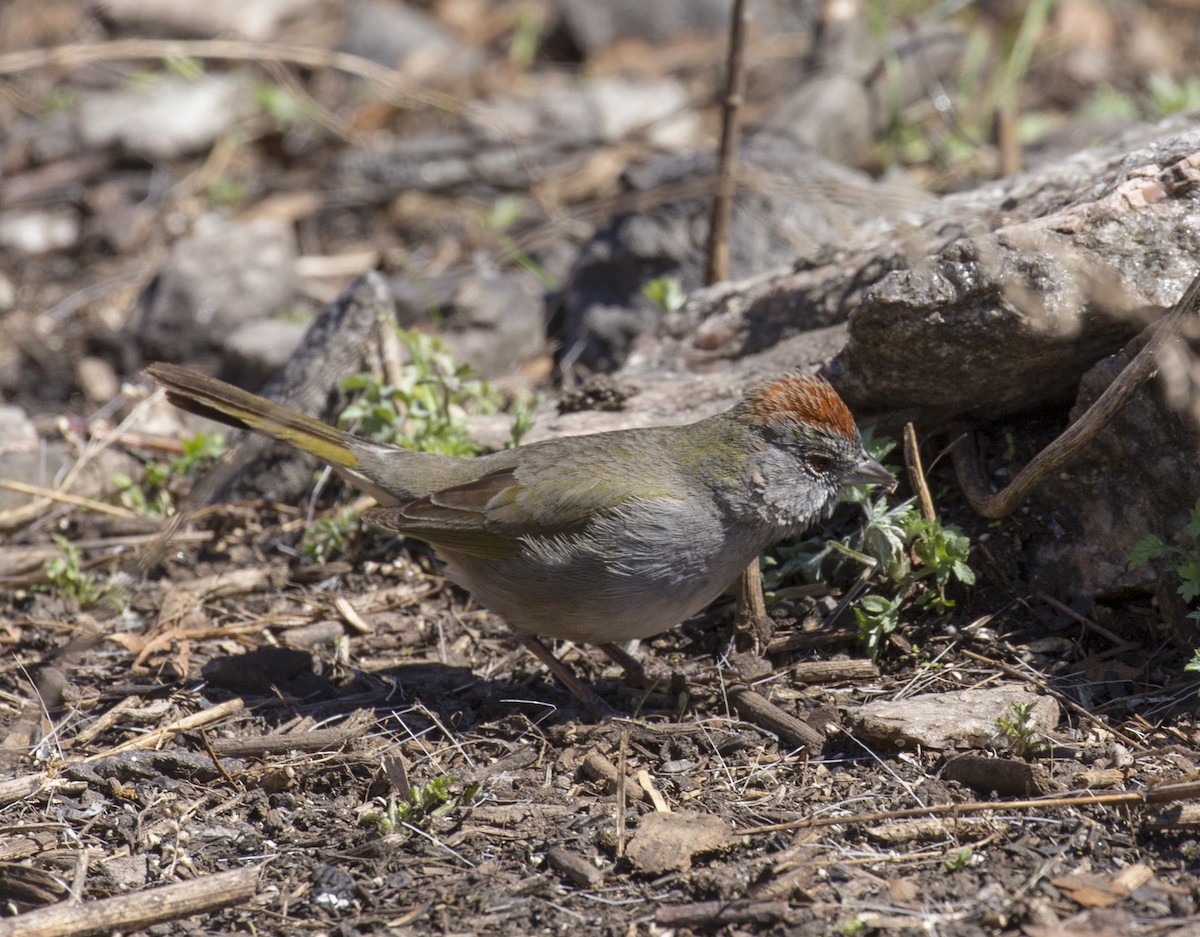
(208, 397)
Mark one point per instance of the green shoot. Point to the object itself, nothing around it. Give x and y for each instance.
(1020, 731)
(666, 292)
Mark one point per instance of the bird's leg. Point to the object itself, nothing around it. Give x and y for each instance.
(751, 623)
(591, 702)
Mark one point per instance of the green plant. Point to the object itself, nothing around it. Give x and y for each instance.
(151, 493)
(426, 409)
(226, 192)
(522, 409)
(853, 927)
(666, 292)
(186, 67)
(877, 617)
(947, 132)
(500, 219)
(431, 800)
(942, 552)
(1020, 731)
(526, 36)
(1183, 560)
(67, 575)
(329, 535)
(959, 860)
(284, 109)
(1170, 95)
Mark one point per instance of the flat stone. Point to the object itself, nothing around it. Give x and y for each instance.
(954, 720)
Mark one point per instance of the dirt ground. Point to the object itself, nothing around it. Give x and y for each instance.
(353, 747)
(247, 713)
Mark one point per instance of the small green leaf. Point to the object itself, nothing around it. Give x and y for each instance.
(1148, 548)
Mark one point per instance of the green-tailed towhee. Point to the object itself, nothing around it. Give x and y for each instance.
(599, 538)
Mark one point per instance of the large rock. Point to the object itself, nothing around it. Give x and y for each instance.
(1092, 250)
(983, 303)
(224, 275)
(592, 27)
(168, 117)
(1140, 475)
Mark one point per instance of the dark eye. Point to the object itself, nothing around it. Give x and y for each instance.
(821, 464)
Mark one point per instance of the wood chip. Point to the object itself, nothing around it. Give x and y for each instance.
(656, 797)
(1102, 779)
(1006, 776)
(350, 616)
(757, 709)
(1099, 891)
(599, 768)
(574, 866)
(712, 915)
(834, 671)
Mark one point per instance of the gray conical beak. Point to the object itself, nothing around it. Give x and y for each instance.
(870, 472)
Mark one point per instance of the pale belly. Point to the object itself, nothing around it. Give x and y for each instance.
(581, 598)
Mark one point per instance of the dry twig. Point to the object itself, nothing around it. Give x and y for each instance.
(138, 910)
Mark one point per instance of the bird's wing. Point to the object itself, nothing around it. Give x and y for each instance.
(488, 516)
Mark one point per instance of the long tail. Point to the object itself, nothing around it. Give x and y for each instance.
(208, 397)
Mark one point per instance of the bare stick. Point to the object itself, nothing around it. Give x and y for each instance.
(154, 738)
(139, 910)
(833, 671)
(621, 785)
(757, 709)
(64, 498)
(1143, 366)
(1156, 794)
(716, 265)
(916, 472)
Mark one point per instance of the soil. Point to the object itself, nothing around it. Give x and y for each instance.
(378, 755)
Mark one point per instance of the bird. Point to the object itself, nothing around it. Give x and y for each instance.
(599, 538)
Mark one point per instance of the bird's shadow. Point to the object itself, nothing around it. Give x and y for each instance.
(419, 697)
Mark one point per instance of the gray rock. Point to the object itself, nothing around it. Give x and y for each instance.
(604, 110)
(400, 36)
(1140, 475)
(170, 117)
(259, 20)
(39, 230)
(592, 26)
(255, 350)
(1094, 247)
(17, 432)
(944, 721)
(975, 305)
(491, 320)
(515, 142)
(216, 280)
(97, 379)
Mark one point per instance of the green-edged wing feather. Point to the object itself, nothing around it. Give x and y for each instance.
(552, 491)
